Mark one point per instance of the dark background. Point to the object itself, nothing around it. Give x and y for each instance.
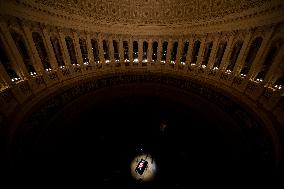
(95, 147)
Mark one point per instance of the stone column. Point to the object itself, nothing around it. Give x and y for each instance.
(49, 48)
(34, 54)
(5, 79)
(149, 52)
(77, 48)
(226, 55)
(140, 52)
(64, 49)
(201, 52)
(159, 51)
(179, 51)
(130, 48)
(13, 52)
(111, 50)
(242, 55)
(90, 50)
(213, 52)
(189, 52)
(169, 51)
(121, 52)
(101, 50)
(275, 65)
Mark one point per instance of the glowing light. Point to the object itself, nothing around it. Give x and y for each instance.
(183, 63)
(259, 79)
(16, 79)
(228, 71)
(278, 87)
(143, 167)
(135, 60)
(172, 62)
(243, 75)
(145, 60)
(107, 61)
(203, 66)
(33, 73)
(215, 68)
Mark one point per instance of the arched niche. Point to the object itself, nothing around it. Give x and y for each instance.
(220, 54)
(254, 47)
(234, 55)
(40, 47)
(57, 51)
(71, 50)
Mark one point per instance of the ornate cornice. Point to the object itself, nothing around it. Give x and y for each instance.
(239, 15)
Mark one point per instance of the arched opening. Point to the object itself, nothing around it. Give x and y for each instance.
(234, 56)
(57, 51)
(115, 50)
(22, 48)
(184, 52)
(84, 51)
(279, 84)
(126, 51)
(174, 52)
(106, 51)
(164, 51)
(145, 50)
(5, 61)
(155, 51)
(195, 52)
(207, 53)
(135, 51)
(71, 50)
(254, 47)
(219, 55)
(269, 59)
(95, 49)
(40, 47)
